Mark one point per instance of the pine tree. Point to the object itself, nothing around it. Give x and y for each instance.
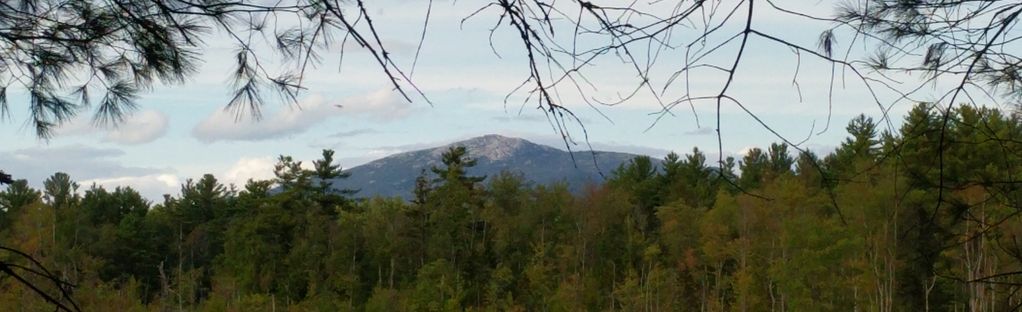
(59, 191)
(456, 164)
(780, 160)
(754, 166)
(16, 196)
(326, 172)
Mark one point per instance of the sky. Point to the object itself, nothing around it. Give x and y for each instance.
(183, 131)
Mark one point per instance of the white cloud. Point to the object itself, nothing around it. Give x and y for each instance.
(87, 165)
(701, 131)
(352, 133)
(380, 105)
(150, 186)
(138, 128)
(143, 127)
(81, 162)
(223, 125)
(745, 151)
(255, 168)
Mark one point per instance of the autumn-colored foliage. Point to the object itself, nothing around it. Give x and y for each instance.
(923, 218)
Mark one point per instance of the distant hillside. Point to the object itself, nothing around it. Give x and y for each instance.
(395, 175)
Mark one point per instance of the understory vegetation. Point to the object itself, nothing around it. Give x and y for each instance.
(926, 217)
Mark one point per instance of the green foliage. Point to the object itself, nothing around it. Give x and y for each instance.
(456, 163)
(60, 192)
(17, 195)
(754, 167)
(671, 235)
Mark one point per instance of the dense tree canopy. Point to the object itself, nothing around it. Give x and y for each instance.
(918, 217)
(667, 234)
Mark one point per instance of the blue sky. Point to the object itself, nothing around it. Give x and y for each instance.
(182, 131)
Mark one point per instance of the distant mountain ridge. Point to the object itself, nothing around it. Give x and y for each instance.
(395, 175)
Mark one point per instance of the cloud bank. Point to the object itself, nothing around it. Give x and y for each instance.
(382, 105)
(138, 128)
(88, 165)
(255, 168)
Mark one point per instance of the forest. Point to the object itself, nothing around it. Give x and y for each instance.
(923, 217)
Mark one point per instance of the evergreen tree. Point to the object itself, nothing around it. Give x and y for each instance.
(290, 175)
(754, 166)
(908, 238)
(18, 195)
(59, 191)
(640, 179)
(780, 160)
(326, 172)
(456, 163)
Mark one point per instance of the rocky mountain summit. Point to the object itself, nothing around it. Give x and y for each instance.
(395, 175)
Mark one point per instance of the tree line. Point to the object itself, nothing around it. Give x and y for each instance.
(880, 224)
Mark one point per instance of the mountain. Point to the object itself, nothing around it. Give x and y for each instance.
(395, 175)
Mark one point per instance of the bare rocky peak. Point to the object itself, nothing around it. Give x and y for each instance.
(492, 147)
